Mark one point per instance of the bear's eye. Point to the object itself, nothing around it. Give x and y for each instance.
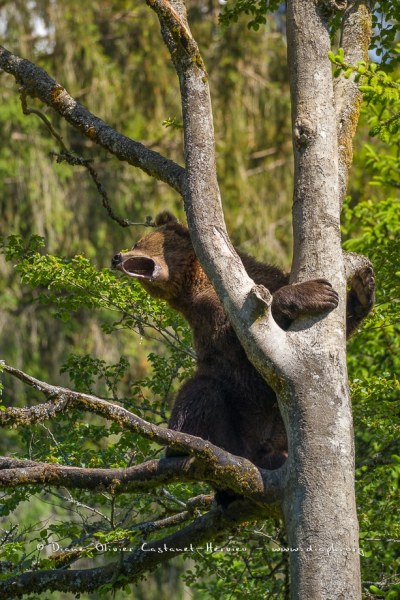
(135, 246)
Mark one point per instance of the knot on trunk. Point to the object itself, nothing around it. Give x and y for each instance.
(257, 302)
(304, 133)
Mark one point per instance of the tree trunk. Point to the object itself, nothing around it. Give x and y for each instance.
(319, 499)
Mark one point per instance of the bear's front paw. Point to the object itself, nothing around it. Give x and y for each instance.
(363, 285)
(310, 297)
(318, 295)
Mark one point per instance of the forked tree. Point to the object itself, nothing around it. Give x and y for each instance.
(305, 365)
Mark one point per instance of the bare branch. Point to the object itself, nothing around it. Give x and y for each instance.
(210, 463)
(62, 400)
(148, 475)
(355, 38)
(177, 25)
(39, 84)
(142, 559)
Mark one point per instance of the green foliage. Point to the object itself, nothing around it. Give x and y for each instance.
(83, 370)
(380, 91)
(173, 122)
(380, 242)
(250, 565)
(258, 10)
(68, 285)
(16, 247)
(385, 23)
(371, 226)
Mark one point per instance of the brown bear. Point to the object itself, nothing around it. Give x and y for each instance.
(227, 401)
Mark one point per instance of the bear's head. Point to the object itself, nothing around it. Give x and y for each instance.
(162, 260)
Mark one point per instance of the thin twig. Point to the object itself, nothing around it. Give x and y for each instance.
(74, 160)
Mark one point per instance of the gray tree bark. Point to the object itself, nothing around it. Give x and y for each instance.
(319, 500)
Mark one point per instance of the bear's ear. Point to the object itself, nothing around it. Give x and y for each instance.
(165, 218)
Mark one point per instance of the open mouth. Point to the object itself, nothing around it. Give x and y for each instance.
(139, 266)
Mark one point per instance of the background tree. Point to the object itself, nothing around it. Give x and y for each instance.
(102, 291)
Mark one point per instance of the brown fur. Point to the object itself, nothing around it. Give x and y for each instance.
(227, 401)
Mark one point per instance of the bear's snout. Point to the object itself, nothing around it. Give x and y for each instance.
(116, 260)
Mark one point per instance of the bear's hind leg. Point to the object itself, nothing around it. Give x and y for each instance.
(201, 410)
